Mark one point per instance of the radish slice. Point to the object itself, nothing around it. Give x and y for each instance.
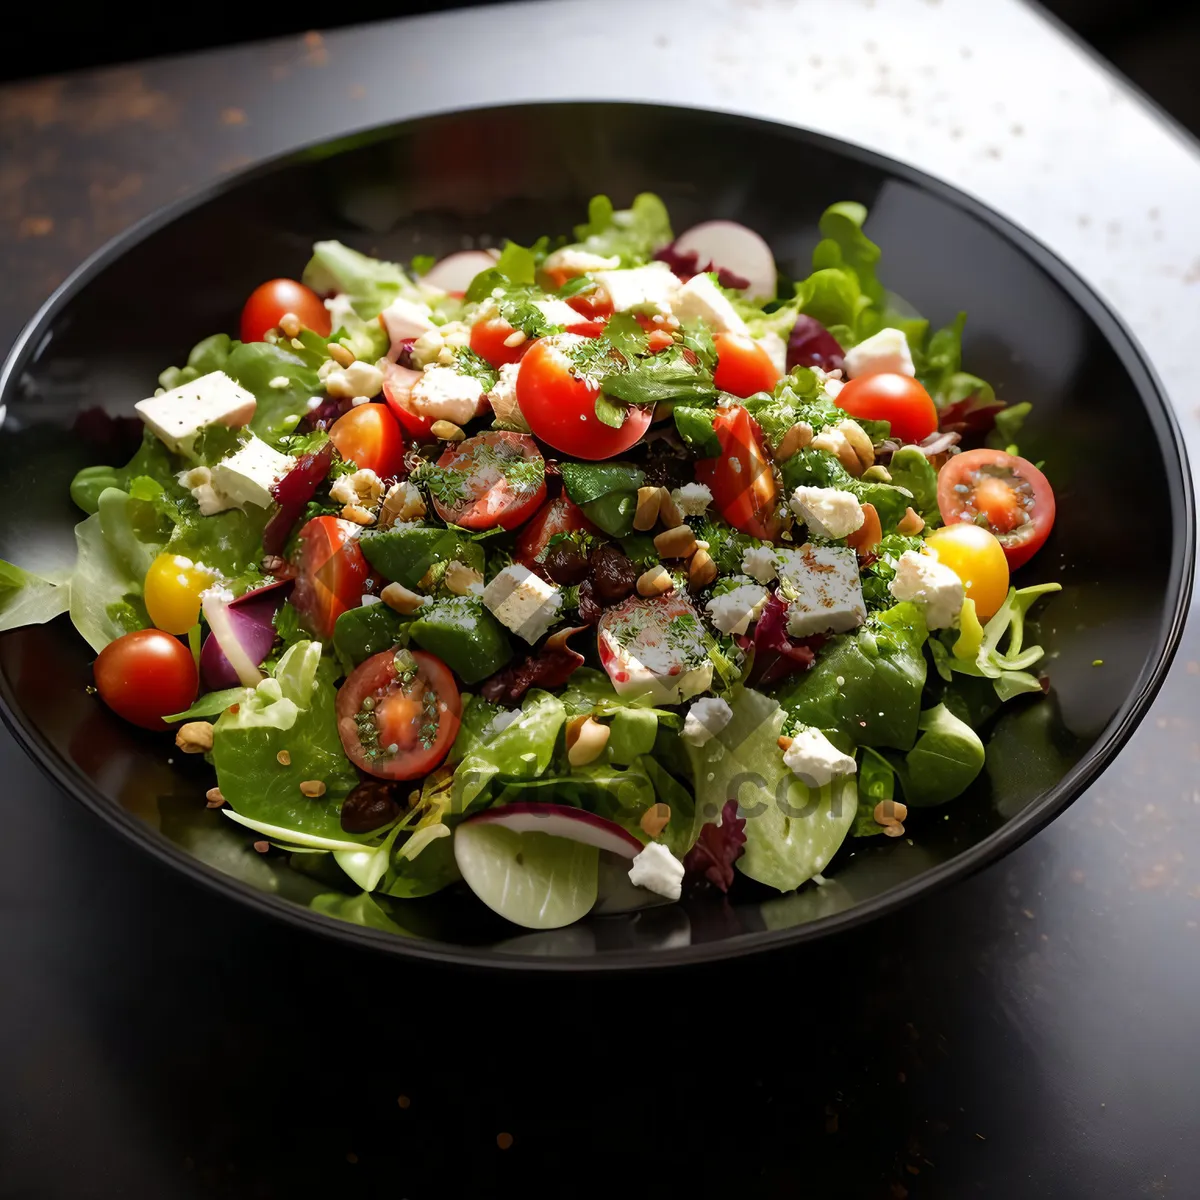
(251, 618)
(561, 820)
(455, 272)
(739, 250)
(226, 632)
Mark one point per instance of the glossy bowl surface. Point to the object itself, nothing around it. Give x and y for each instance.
(1122, 548)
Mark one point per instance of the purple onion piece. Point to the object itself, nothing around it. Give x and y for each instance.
(292, 493)
(686, 263)
(812, 345)
(252, 618)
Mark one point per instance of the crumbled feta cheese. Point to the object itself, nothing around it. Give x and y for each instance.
(886, 350)
(700, 299)
(931, 584)
(571, 260)
(280, 383)
(559, 312)
(657, 870)
(828, 512)
(733, 611)
(366, 600)
(177, 417)
(198, 481)
(404, 320)
(443, 394)
(248, 475)
(503, 398)
(705, 719)
(759, 563)
(692, 499)
(652, 287)
(815, 760)
(776, 349)
(502, 720)
(832, 387)
(523, 601)
(358, 379)
(437, 345)
(823, 590)
(362, 487)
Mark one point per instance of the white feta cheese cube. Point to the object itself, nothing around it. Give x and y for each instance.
(931, 584)
(776, 349)
(815, 760)
(759, 563)
(443, 394)
(404, 320)
(886, 350)
(358, 379)
(822, 588)
(247, 475)
(828, 512)
(692, 499)
(571, 260)
(559, 312)
(733, 611)
(701, 300)
(177, 417)
(657, 870)
(503, 398)
(523, 601)
(650, 288)
(705, 719)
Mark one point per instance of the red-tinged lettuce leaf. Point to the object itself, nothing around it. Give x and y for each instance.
(718, 848)
(973, 415)
(293, 492)
(686, 263)
(776, 655)
(812, 345)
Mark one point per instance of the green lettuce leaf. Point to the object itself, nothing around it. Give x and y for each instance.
(944, 762)
(279, 410)
(370, 283)
(876, 782)
(940, 368)
(818, 469)
(28, 599)
(910, 469)
(634, 233)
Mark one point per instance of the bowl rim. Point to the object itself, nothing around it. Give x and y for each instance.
(1037, 814)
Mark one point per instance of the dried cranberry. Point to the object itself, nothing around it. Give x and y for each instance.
(566, 563)
(589, 607)
(371, 805)
(613, 576)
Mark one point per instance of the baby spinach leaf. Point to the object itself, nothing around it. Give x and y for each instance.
(944, 762)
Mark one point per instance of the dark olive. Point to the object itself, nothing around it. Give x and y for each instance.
(371, 805)
(613, 576)
(566, 564)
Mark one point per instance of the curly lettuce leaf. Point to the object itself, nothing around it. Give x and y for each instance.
(910, 469)
(370, 284)
(633, 233)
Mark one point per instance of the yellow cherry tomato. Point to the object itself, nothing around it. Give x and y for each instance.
(172, 592)
(975, 555)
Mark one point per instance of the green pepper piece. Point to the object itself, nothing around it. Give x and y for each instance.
(464, 635)
(362, 632)
(406, 554)
(631, 734)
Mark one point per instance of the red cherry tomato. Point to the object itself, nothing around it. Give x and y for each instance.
(330, 573)
(561, 409)
(369, 437)
(146, 675)
(394, 727)
(741, 479)
(1003, 493)
(743, 366)
(398, 383)
(560, 515)
(591, 303)
(271, 300)
(494, 478)
(488, 339)
(898, 399)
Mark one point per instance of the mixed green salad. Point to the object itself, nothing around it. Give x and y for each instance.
(578, 572)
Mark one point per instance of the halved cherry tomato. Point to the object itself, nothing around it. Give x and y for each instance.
(369, 437)
(743, 366)
(494, 478)
(741, 479)
(898, 399)
(330, 573)
(593, 302)
(1003, 493)
(488, 341)
(976, 557)
(271, 300)
(398, 383)
(146, 675)
(561, 409)
(560, 515)
(397, 726)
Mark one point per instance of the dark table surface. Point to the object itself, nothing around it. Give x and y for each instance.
(1029, 1034)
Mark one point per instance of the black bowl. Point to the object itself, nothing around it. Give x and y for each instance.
(1122, 548)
